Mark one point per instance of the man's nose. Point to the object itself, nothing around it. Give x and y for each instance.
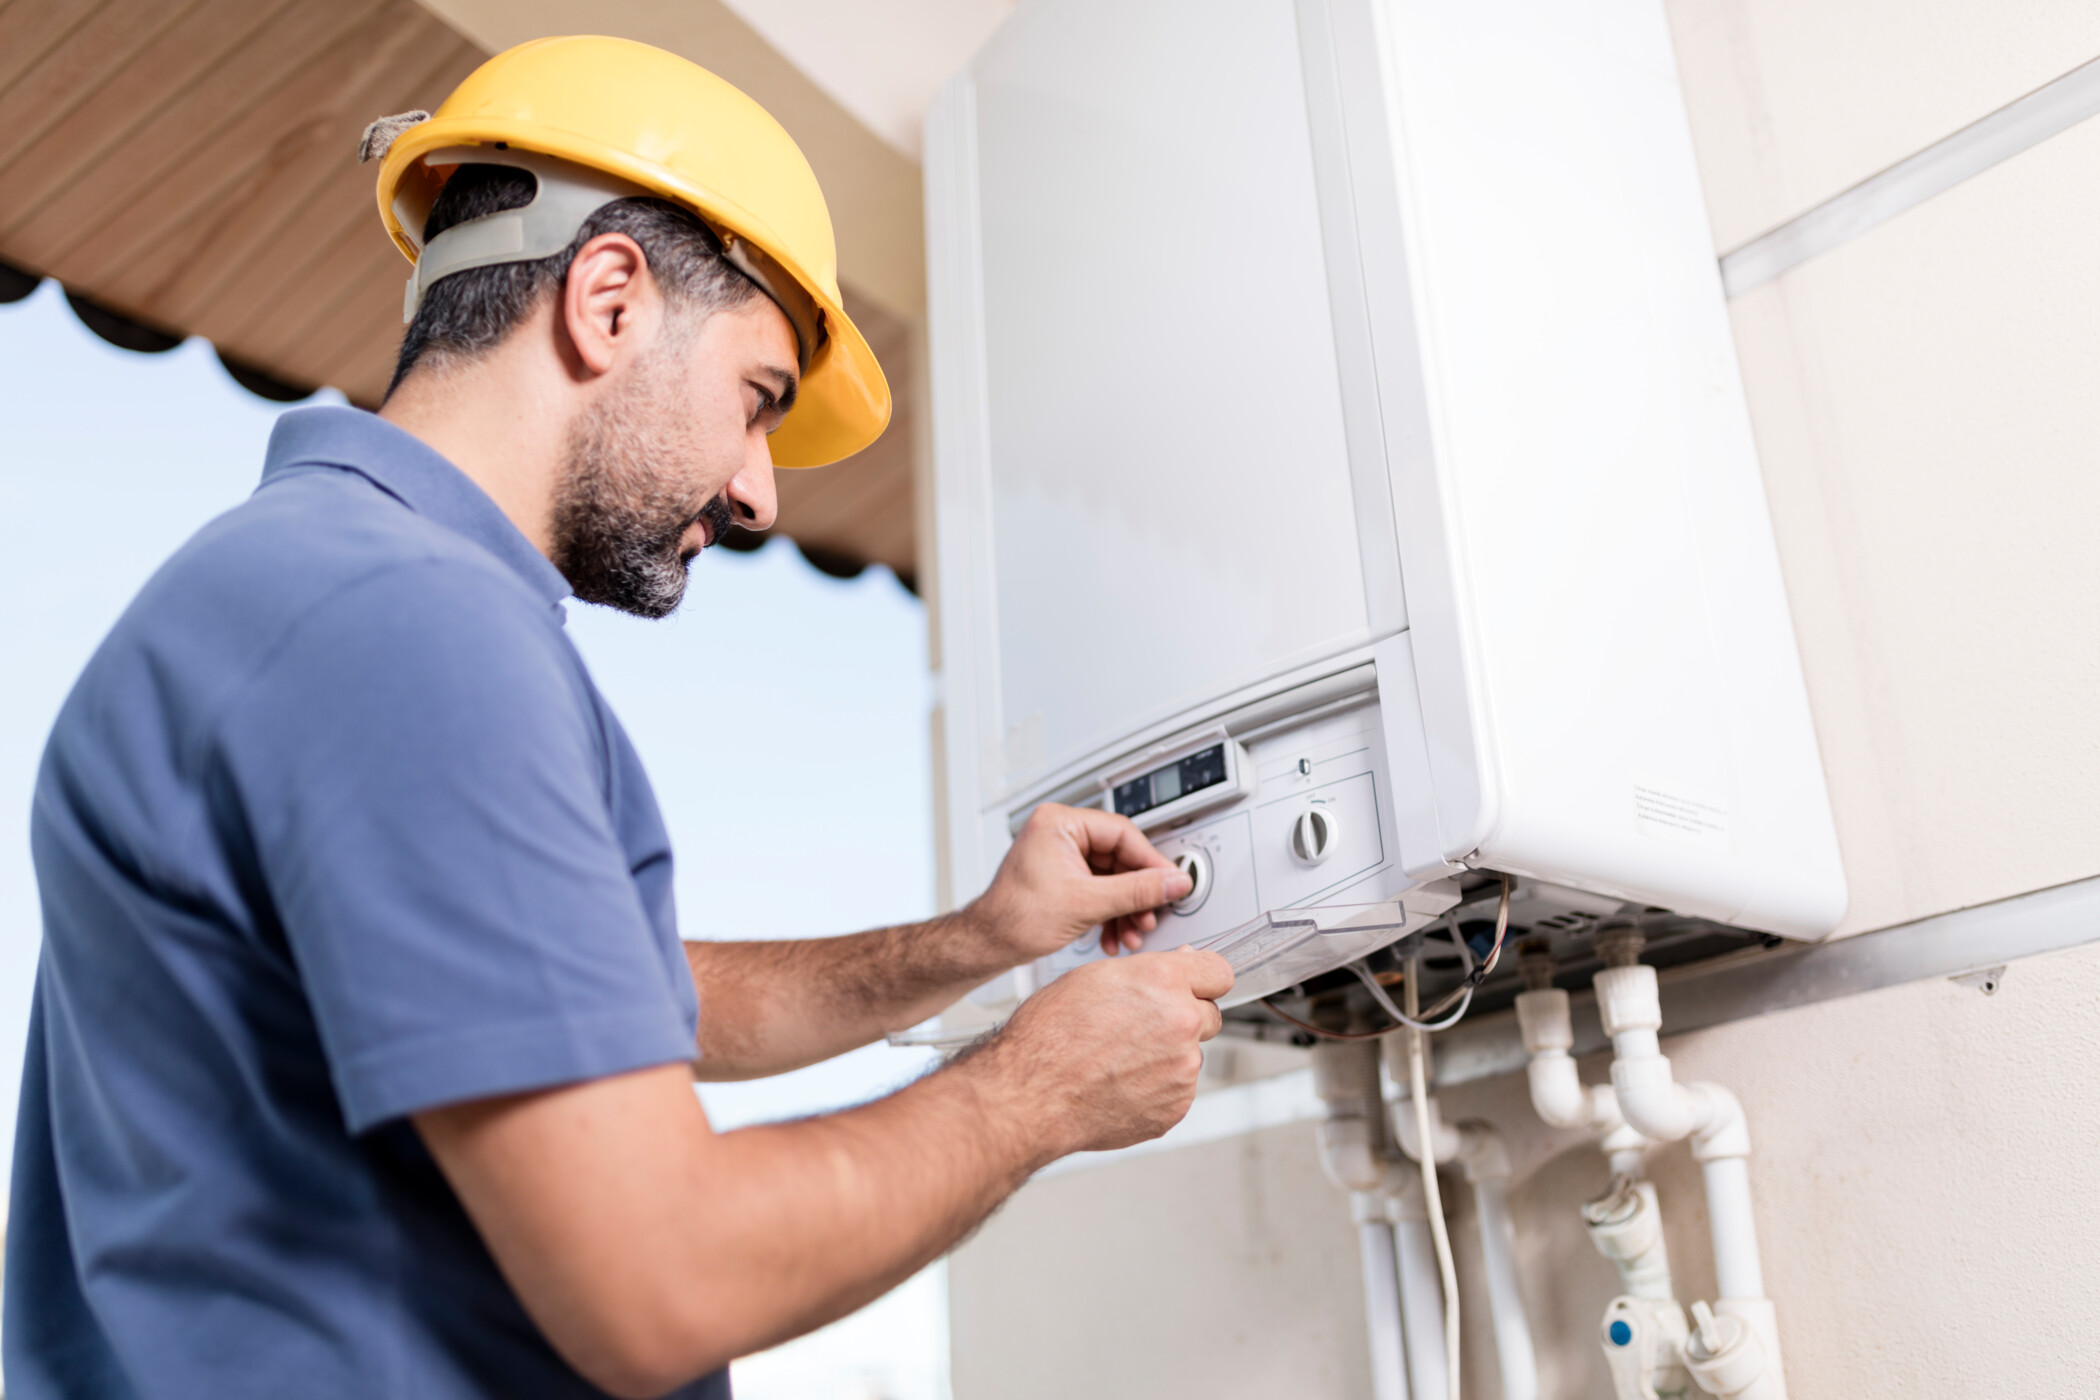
(751, 494)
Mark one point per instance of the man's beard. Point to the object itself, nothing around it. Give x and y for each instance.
(620, 517)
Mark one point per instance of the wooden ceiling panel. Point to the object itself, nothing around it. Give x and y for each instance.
(364, 284)
(102, 188)
(224, 179)
(246, 278)
(30, 29)
(108, 110)
(247, 270)
(191, 166)
(79, 65)
(362, 365)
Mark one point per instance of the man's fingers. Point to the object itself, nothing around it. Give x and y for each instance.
(1134, 891)
(1210, 976)
(1213, 1020)
(1105, 835)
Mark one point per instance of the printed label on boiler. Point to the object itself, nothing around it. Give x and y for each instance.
(1677, 818)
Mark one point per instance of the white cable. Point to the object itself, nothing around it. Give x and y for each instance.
(1385, 1003)
(1432, 1199)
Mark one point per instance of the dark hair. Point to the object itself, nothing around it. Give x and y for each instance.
(469, 313)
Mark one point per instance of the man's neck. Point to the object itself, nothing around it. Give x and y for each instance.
(494, 420)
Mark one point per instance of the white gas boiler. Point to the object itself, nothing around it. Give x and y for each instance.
(1342, 468)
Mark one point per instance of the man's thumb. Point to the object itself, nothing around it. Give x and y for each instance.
(1134, 891)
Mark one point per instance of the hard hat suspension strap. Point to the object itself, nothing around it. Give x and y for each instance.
(785, 292)
(567, 194)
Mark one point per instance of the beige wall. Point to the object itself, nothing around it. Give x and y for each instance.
(1793, 101)
(1226, 1269)
(1925, 410)
(1925, 404)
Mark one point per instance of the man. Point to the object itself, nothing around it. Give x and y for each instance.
(363, 1042)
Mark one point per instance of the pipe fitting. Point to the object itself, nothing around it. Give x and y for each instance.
(1404, 1202)
(1446, 1143)
(1400, 1113)
(1558, 1095)
(1352, 1137)
(1345, 1076)
(1653, 1103)
(1726, 1356)
(1481, 1152)
(1628, 999)
(1625, 1224)
(1619, 944)
(1625, 1148)
(1369, 1208)
(1535, 964)
(1544, 1021)
(1724, 1131)
(1350, 1154)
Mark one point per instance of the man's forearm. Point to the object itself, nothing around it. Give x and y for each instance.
(651, 1250)
(768, 1007)
(883, 1190)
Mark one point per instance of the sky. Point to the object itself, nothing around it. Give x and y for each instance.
(782, 715)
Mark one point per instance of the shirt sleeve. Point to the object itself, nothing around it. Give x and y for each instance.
(424, 780)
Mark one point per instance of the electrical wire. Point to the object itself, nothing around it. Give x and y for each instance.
(1432, 1198)
(1501, 930)
(1385, 1003)
(1452, 1008)
(1478, 974)
(1321, 1031)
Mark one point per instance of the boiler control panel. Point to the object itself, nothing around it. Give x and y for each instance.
(1291, 822)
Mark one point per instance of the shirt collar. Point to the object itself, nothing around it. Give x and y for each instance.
(413, 473)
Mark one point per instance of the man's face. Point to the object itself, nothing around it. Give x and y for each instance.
(673, 454)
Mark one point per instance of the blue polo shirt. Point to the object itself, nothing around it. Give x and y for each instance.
(334, 828)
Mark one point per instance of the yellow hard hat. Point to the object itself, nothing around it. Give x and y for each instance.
(654, 120)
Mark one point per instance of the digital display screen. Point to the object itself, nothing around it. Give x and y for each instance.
(1162, 785)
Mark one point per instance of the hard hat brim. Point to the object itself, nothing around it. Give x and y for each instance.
(842, 404)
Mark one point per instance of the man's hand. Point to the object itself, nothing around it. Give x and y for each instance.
(1070, 869)
(778, 1006)
(1110, 1051)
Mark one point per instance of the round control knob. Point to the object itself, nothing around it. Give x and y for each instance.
(1314, 834)
(1196, 865)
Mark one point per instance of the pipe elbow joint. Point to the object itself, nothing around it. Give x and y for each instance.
(1444, 1143)
(1482, 1152)
(1349, 1156)
(1724, 1131)
(1556, 1091)
(1652, 1103)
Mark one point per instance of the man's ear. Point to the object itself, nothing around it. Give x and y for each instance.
(608, 301)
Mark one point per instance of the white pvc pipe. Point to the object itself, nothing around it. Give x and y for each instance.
(1381, 1265)
(1737, 1268)
(1421, 1309)
(1520, 1373)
